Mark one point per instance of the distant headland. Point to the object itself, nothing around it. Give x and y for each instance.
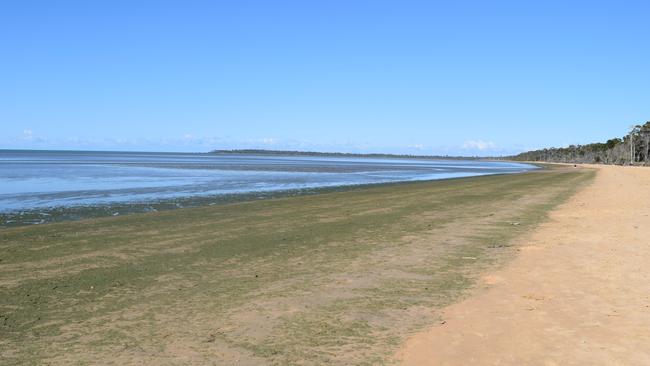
(342, 155)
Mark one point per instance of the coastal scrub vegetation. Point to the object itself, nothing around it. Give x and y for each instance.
(629, 150)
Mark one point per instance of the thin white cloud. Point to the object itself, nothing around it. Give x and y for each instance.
(28, 134)
(194, 142)
(479, 145)
(416, 147)
(269, 141)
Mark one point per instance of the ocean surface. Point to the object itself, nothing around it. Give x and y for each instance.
(43, 180)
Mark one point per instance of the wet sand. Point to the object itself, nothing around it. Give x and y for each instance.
(578, 292)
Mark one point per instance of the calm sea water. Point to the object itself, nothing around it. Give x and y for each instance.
(38, 180)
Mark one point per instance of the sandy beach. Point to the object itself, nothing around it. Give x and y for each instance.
(324, 183)
(340, 278)
(578, 292)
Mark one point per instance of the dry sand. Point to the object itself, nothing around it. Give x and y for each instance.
(578, 293)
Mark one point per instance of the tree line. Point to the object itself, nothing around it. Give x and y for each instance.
(632, 149)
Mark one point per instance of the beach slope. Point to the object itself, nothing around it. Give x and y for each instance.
(339, 278)
(578, 292)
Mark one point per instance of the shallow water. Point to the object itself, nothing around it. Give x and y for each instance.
(40, 180)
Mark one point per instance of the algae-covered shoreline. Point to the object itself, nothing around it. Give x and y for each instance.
(55, 214)
(333, 278)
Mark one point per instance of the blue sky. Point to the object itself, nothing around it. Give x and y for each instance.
(458, 78)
